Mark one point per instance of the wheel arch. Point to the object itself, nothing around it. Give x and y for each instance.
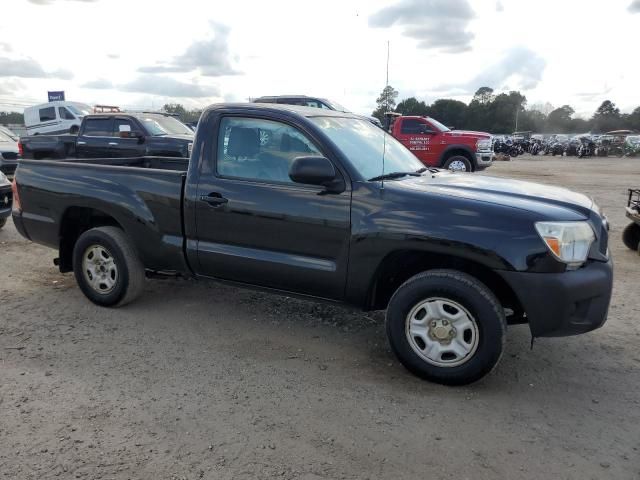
(461, 149)
(74, 222)
(399, 266)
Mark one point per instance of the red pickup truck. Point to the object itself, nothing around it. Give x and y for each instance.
(438, 146)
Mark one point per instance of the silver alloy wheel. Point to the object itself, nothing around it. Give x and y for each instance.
(458, 166)
(99, 269)
(442, 332)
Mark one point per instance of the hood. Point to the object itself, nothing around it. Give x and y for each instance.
(503, 191)
(468, 133)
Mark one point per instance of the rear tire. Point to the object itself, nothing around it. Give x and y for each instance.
(3, 222)
(107, 267)
(458, 163)
(631, 236)
(447, 327)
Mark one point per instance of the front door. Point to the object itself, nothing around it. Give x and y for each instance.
(255, 225)
(94, 139)
(126, 139)
(417, 136)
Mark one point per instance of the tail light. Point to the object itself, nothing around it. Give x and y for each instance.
(16, 198)
(20, 149)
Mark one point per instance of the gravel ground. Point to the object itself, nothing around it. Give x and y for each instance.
(199, 380)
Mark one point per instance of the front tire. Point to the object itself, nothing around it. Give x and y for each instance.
(631, 237)
(107, 267)
(447, 327)
(458, 163)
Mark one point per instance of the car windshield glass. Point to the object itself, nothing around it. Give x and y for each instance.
(633, 139)
(6, 137)
(336, 106)
(439, 126)
(364, 144)
(79, 109)
(160, 125)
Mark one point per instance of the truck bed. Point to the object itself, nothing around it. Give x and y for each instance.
(143, 195)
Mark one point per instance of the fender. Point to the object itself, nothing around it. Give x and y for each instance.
(471, 154)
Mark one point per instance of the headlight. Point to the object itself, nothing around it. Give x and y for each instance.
(483, 145)
(569, 242)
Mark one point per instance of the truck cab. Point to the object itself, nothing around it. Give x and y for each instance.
(436, 145)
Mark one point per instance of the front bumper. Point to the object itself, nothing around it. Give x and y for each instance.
(484, 159)
(563, 304)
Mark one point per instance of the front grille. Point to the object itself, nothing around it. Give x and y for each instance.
(9, 155)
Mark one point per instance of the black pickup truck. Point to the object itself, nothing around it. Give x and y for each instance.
(325, 205)
(114, 135)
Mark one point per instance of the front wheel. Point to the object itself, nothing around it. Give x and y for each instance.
(631, 236)
(447, 327)
(458, 163)
(107, 267)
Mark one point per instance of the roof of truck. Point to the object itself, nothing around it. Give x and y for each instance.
(297, 109)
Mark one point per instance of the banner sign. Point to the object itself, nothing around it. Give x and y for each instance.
(56, 96)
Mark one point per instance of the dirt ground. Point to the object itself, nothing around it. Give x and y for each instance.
(199, 380)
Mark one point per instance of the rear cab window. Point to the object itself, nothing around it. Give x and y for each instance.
(98, 127)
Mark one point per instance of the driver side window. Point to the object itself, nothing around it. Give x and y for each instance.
(263, 150)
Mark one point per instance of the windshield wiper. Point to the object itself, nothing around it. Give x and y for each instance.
(392, 175)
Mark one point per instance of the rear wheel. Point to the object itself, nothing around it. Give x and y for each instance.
(107, 267)
(631, 236)
(458, 163)
(3, 222)
(446, 326)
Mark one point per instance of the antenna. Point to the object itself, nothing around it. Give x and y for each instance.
(384, 137)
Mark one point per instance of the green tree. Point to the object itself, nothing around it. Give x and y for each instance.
(633, 120)
(386, 102)
(412, 106)
(183, 114)
(450, 112)
(559, 120)
(607, 117)
(7, 118)
(484, 95)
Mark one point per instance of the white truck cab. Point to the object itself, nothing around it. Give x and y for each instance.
(55, 117)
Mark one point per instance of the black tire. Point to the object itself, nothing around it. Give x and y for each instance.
(631, 236)
(454, 161)
(475, 298)
(129, 275)
(74, 129)
(3, 222)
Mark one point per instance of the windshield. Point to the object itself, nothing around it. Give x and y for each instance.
(336, 106)
(439, 126)
(79, 109)
(363, 144)
(7, 136)
(159, 125)
(633, 139)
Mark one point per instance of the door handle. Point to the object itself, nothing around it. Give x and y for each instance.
(81, 143)
(113, 143)
(214, 199)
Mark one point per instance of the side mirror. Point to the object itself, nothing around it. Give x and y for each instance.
(315, 170)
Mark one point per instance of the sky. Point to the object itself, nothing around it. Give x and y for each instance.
(142, 54)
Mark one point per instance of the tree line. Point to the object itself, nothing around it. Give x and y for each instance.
(508, 112)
